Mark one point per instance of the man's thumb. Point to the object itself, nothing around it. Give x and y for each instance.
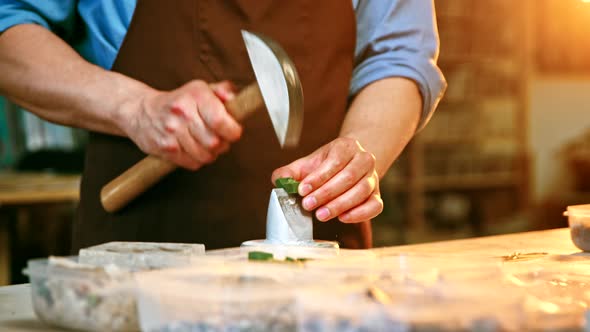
(283, 172)
(293, 170)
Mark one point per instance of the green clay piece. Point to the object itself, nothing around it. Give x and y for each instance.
(290, 185)
(259, 256)
(93, 300)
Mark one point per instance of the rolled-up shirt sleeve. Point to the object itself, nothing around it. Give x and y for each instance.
(57, 15)
(399, 38)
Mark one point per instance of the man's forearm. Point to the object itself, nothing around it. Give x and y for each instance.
(383, 117)
(46, 76)
(188, 126)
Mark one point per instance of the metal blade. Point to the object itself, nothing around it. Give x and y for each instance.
(280, 86)
(286, 221)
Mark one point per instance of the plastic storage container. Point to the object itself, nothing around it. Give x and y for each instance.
(407, 293)
(70, 295)
(324, 264)
(242, 297)
(409, 308)
(141, 255)
(556, 297)
(342, 308)
(278, 252)
(350, 267)
(96, 290)
(579, 223)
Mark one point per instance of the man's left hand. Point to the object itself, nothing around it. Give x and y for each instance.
(337, 180)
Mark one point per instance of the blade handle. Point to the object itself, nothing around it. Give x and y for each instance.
(140, 177)
(245, 103)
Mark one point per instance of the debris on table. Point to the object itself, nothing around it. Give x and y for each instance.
(518, 256)
(262, 256)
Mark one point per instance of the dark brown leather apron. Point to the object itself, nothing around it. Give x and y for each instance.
(223, 204)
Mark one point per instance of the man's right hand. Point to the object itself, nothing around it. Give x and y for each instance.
(188, 126)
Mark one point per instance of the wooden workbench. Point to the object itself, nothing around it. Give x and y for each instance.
(24, 189)
(16, 313)
(33, 188)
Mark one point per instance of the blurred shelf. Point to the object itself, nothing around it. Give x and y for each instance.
(477, 58)
(444, 16)
(34, 188)
(476, 181)
(415, 236)
(477, 141)
(576, 197)
(472, 100)
(454, 182)
(395, 183)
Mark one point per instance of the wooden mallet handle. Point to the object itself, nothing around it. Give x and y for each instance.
(147, 172)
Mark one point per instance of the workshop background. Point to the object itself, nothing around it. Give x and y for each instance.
(507, 150)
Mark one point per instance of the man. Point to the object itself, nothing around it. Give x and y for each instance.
(153, 77)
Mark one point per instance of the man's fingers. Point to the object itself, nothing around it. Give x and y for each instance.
(224, 90)
(176, 127)
(339, 183)
(352, 198)
(332, 165)
(193, 149)
(211, 109)
(188, 126)
(293, 170)
(184, 161)
(338, 180)
(223, 148)
(218, 119)
(173, 152)
(301, 167)
(371, 208)
(200, 132)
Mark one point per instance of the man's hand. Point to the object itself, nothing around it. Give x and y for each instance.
(339, 180)
(188, 126)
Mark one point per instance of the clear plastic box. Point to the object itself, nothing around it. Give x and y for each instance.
(82, 297)
(350, 266)
(95, 291)
(278, 252)
(141, 255)
(341, 308)
(241, 297)
(556, 297)
(357, 307)
(579, 223)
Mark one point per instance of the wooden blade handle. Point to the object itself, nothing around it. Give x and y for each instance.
(245, 103)
(140, 177)
(133, 182)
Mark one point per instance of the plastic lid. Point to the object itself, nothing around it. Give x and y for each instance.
(141, 255)
(578, 210)
(307, 249)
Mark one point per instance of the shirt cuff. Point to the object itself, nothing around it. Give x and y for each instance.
(8, 19)
(423, 71)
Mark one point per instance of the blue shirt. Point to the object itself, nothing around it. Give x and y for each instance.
(395, 38)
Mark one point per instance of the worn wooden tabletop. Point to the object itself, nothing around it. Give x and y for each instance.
(33, 188)
(16, 313)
